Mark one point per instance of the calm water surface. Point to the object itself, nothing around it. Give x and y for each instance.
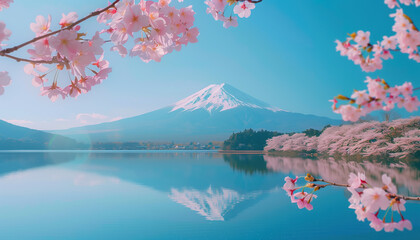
(182, 195)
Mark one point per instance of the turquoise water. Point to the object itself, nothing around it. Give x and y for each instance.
(181, 195)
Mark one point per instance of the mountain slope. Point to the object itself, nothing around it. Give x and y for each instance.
(13, 137)
(211, 114)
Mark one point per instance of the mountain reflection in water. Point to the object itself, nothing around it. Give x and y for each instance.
(217, 187)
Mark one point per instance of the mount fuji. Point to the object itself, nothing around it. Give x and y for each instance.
(211, 114)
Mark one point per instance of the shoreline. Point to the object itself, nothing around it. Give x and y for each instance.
(242, 152)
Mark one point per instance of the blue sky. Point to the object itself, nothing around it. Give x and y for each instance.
(284, 54)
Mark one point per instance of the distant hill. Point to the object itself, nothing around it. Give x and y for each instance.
(13, 137)
(211, 114)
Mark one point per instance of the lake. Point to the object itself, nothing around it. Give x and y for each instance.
(182, 195)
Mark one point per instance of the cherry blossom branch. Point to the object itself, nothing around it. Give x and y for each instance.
(18, 59)
(95, 13)
(346, 186)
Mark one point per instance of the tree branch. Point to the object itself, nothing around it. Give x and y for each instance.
(18, 59)
(251, 1)
(346, 185)
(12, 49)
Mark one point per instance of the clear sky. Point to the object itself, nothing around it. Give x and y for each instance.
(284, 54)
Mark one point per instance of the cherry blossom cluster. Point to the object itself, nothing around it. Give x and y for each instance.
(394, 3)
(359, 49)
(156, 28)
(5, 4)
(376, 204)
(218, 9)
(378, 96)
(77, 59)
(4, 81)
(298, 194)
(385, 140)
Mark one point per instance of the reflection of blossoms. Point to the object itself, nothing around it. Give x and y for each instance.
(375, 204)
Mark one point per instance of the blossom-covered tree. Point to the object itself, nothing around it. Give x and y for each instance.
(369, 55)
(68, 62)
(398, 139)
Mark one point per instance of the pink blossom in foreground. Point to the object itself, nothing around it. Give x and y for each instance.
(290, 185)
(243, 9)
(75, 55)
(372, 203)
(303, 200)
(65, 43)
(369, 203)
(378, 96)
(374, 199)
(4, 33)
(394, 3)
(4, 81)
(355, 181)
(370, 55)
(68, 19)
(41, 25)
(388, 185)
(5, 4)
(156, 28)
(218, 8)
(53, 92)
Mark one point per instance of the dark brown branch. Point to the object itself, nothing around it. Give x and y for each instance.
(18, 59)
(12, 49)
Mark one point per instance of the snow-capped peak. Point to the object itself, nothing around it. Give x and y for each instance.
(220, 97)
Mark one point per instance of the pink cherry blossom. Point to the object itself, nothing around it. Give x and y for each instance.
(290, 185)
(135, 19)
(362, 38)
(374, 199)
(41, 26)
(230, 22)
(68, 19)
(389, 42)
(65, 43)
(355, 181)
(4, 33)
(53, 92)
(303, 200)
(5, 4)
(4, 81)
(361, 97)
(404, 224)
(392, 3)
(388, 185)
(243, 9)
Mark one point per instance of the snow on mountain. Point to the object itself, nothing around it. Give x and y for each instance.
(211, 114)
(220, 97)
(212, 204)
